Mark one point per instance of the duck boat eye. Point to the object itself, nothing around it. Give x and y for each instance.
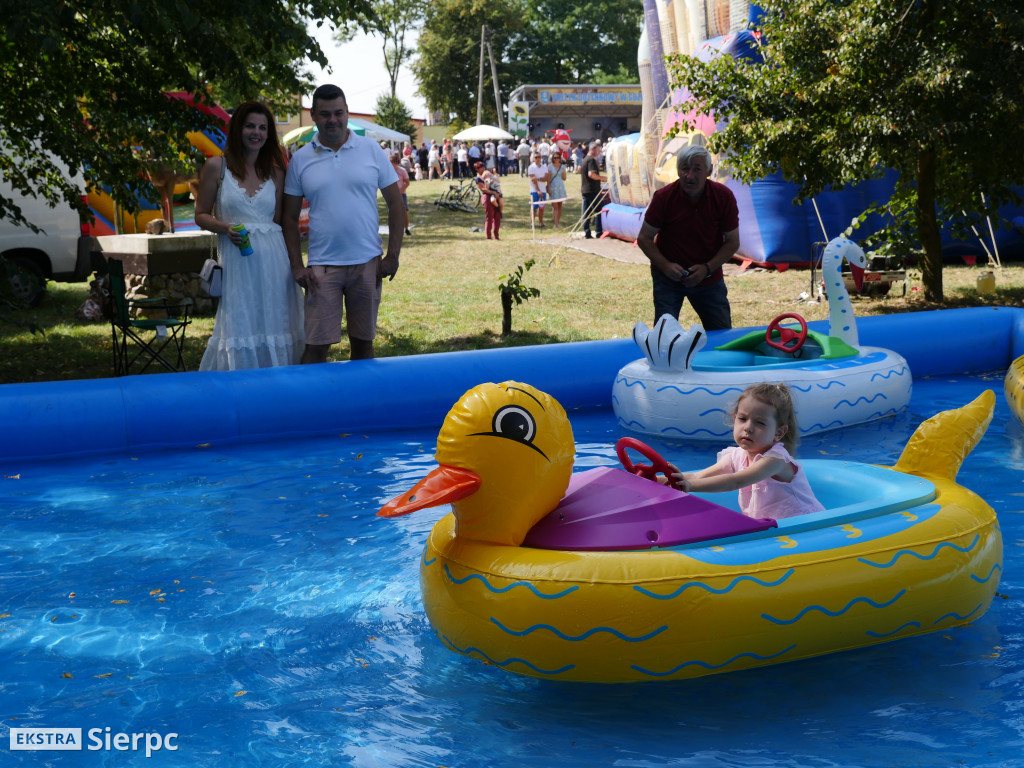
(514, 422)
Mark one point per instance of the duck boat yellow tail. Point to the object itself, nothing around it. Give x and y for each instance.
(604, 576)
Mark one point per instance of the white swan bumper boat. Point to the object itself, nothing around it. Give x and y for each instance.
(680, 390)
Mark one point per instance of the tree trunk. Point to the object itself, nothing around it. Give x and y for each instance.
(928, 225)
(506, 313)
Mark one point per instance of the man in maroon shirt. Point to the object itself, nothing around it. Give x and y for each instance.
(690, 230)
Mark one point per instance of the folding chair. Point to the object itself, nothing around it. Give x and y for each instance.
(143, 340)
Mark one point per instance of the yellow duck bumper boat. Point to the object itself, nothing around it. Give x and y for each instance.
(646, 595)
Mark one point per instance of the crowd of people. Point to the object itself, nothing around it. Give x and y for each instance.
(453, 159)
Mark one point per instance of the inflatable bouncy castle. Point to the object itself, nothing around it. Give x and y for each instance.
(772, 228)
(210, 142)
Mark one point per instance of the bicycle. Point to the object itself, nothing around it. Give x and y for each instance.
(464, 196)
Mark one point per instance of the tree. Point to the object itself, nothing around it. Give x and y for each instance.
(83, 83)
(850, 88)
(447, 68)
(392, 21)
(392, 113)
(577, 41)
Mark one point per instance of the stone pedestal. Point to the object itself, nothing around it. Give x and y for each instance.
(163, 265)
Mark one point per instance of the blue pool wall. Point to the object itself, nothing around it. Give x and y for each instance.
(74, 418)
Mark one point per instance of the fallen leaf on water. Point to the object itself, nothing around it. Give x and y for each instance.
(68, 675)
(154, 592)
(4, 615)
(53, 619)
(13, 477)
(203, 445)
(72, 596)
(359, 455)
(105, 674)
(323, 515)
(240, 693)
(120, 602)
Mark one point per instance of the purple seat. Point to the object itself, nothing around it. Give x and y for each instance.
(610, 509)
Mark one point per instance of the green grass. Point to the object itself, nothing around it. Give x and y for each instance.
(446, 296)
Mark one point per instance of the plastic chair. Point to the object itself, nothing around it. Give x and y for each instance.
(143, 340)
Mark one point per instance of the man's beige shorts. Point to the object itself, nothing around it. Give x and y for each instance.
(352, 289)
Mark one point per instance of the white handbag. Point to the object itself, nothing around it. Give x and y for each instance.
(211, 275)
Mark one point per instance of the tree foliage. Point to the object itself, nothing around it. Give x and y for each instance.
(83, 81)
(577, 41)
(392, 21)
(547, 41)
(850, 88)
(394, 114)
(448, 65)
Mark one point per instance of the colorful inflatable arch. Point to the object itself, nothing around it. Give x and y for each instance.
(772, 229)
(210, 143)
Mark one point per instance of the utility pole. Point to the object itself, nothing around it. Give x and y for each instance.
(480, 86)
(494, 77)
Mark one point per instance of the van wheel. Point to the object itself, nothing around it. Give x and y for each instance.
(28, 283)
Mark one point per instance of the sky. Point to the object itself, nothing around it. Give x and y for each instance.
(358, 69)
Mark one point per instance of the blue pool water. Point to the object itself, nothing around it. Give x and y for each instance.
(248, 599)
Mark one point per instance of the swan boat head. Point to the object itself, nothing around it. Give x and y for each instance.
(841, 321)
(505, 454)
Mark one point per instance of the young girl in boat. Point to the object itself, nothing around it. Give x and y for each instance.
(759, 466)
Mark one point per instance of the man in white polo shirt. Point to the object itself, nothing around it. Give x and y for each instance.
(339, 173)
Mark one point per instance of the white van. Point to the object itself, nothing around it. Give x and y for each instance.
(61, 251)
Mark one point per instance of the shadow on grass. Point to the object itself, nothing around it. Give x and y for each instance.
(954, 299)
(394, 345)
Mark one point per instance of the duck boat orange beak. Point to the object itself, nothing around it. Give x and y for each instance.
(442, 486)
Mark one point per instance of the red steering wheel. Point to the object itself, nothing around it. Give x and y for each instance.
(789, 340)
(650, 471)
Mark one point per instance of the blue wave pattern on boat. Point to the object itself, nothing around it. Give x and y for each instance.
(577, 638)
(827, 612)
(997, 568)
(956, 616)
(820, 539)
(904, 371)
(882, 635)
(819, 427)
(678, 431)
(628, 383)
(809, 387)
(705, 665)
(711, 392)
(934, 553)
(502, 590)
(701, 585)
(861, 399)
(468, 650)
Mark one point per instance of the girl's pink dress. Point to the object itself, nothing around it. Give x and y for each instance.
(772, 498)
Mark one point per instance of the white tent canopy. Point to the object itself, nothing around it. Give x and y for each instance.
(378, 132)
(482, 133)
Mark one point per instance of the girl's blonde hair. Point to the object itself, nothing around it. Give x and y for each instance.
(780, 398)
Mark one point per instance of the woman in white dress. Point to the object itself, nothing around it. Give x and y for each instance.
(259, 320)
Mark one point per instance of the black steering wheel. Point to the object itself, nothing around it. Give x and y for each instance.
(789, 340)
(650, 471)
